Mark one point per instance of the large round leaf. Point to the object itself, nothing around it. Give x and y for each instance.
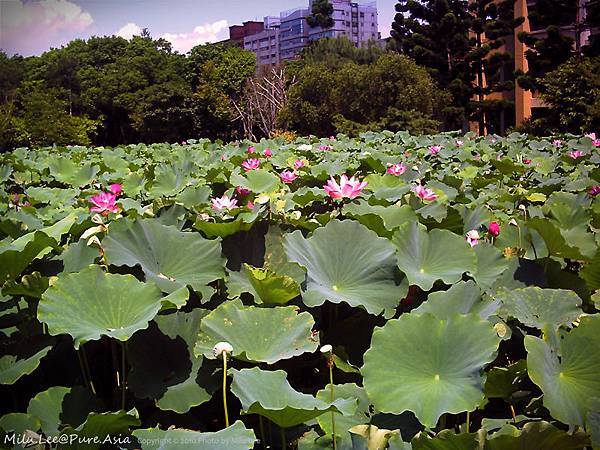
(11, 368)
(570, 382)
(426, 257)
(270, 395)
(357, 414)
(47, 406)
(91, 303)
(236, 437)
(429, 366)
(169, 257)
(462, 298)
(347, 262)
(539, 308)
(257, 334)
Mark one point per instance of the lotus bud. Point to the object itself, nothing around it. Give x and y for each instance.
(222, 347)
(97, 218)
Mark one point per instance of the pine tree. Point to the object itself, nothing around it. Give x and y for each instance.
(321, 13)
(435, 33)
(491, 65)
(555, 47)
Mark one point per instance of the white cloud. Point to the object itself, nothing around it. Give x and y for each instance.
(25, 26)
(129, 30)
(209, 32)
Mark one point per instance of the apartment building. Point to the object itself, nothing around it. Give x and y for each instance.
(527, 103)
(284, 37)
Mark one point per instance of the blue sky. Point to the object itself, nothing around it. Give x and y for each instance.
(30, 27)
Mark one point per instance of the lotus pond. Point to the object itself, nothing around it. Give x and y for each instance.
(390, 291)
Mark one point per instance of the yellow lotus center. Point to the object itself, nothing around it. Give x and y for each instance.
(335, 288)
(422, 270)
(437, 377)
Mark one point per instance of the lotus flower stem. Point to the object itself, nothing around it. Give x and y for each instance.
(261, 425)
(220, 350)
(283, 440)
(225, 389)
(514, 415)
(83, 372)
(87, 369)
(123, 381)
(468, 420)
(328, 351)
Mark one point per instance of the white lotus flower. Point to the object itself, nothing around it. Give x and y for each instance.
(326, 349)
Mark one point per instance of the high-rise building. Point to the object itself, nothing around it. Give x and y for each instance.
(284, 37)
(527, 103)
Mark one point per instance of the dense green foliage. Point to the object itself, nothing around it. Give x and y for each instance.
(456, 279)
(110, 90)
(321, 14)
(343, 93)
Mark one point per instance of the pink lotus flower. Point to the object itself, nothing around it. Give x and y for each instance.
(557, 142)
(183, 142)
(325, 148)
(223, 203)
(104, 203)
(526, 161)
(268, 153)
(494, 229)
(396, 169)
(250, 205)
(298, 164)
(596, 142)
(242, 190)
(288, 176)
(347, 188)
(223, 158)
(477, 157)
(332, 138)
(492, 140)
(116, 189)
(434, 149)
(459, 142)
(576, 154)
(251, 164)
(424, 193)
(472, 238)
(594, 190)
(251, 149)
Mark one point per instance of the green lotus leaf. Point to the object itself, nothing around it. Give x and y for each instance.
(78, 256)
(357, 414)
(69, 172)
(18, 423)
(449, 440)
(270, 395)
(177, 299)
(276, 259)
(591, 273)
(183, 396)
(539, 308)
(381, 219)
(501, 382)
(15, 256)
(536, 435)
(592, 421)
(462, 298)
(47, 406)
(491, 264)
(11, 368)
(32, 285)
(426, 257)
(223, 229)
(257, 334)
(169, 257)
(235, 437)
(569, 382)
(272, 288)
(101, 426)
(170, 179)
(91, 303)
(312, 441)
(258, 181)
(429, 366)
(347, 262)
